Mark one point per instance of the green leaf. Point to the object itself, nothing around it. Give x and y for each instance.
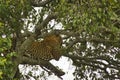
(3, 61)
(1, 75)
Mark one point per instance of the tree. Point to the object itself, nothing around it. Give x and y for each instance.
(90, 29)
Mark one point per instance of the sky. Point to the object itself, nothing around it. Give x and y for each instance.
(66, 65)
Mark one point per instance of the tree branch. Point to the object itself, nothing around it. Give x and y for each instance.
(40, 26)
(43, 63)
(21, 49)
(96, 62)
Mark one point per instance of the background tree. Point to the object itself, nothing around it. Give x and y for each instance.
(90, 29)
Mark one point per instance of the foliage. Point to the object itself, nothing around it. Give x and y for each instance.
(11, 14)
(91, 30)
(6, 66)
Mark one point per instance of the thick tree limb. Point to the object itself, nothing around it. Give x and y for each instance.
(43, 63)
(40, 26)
(20, 52)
